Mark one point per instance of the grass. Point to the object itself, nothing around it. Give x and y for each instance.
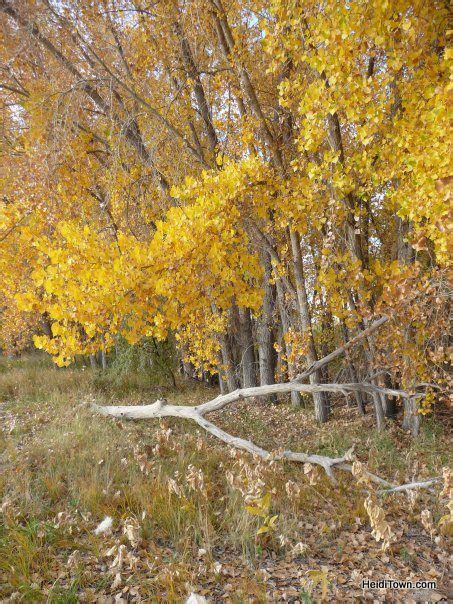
(65, 469)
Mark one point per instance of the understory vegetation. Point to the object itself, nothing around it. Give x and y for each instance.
(184, 507)
(229, 221)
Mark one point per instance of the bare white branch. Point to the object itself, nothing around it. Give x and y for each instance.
(196, 413)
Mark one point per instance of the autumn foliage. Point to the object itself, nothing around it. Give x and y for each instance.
(259, 178)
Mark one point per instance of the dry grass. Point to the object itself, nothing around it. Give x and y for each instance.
(65, 469)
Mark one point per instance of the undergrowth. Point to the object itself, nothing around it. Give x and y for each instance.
(65, 469)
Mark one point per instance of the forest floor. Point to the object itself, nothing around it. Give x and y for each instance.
(182, 503)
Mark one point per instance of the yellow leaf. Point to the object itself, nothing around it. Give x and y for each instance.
(255, 511)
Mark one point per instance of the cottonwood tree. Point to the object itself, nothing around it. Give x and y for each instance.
(262, 179)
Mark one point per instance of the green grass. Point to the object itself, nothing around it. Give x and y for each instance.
(64, 595)
(63, 461)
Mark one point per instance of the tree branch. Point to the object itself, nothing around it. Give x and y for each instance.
(196, 413)
(412, 485)
(342, 349)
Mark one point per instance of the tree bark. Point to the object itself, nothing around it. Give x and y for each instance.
(193, 73)
(247, 348)
(353, 373)
(222, 384)
(389, 404)
(46, 326)
(228, 363)
(227, 45)
(322, 406)
(411, 419)
(266, 350)
(368, 348)
(296, 398)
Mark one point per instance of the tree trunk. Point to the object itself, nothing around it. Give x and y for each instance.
(46, 326)
(404, 251)
(353, 373)
(93, 361)
(390, 408)
(228, 363)
(322, 406)
(188, 370)
(222, 384)
(194, 75)
(355, 241)
(266, 350)
(368, 348)
(405, 255)
(327, 327)
(411, 419)
(379, 412)
(247, 349)
(296, 397)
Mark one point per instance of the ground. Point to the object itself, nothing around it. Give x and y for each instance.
(184, 507)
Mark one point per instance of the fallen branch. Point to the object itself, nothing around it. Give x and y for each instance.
(162, 409)
(196, 413)
(412, 485)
